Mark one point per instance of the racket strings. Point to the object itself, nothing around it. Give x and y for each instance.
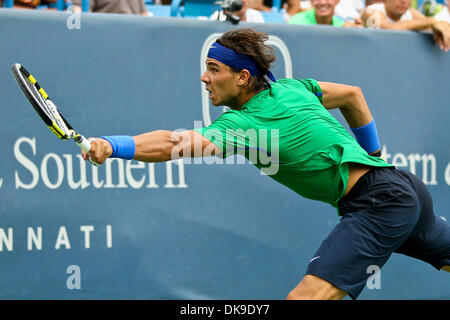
(58, 127)
(56, 116)
(46, 109)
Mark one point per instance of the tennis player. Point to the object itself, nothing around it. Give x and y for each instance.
(383, 210)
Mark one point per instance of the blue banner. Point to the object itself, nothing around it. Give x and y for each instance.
(181, 229)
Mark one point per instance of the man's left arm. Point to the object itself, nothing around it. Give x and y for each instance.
(349, 99)
(353, 106)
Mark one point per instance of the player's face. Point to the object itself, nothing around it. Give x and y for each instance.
(324, 8)
(221, 83)
(398, 7)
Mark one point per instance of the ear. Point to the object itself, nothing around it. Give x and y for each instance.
(244, 77)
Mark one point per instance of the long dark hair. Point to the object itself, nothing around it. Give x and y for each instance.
(251, 43)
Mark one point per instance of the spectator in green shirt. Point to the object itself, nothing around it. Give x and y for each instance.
(322, 13)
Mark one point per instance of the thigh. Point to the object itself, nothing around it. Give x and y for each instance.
(378, 219)
(346, 258)
(430, 239)
(430, 243)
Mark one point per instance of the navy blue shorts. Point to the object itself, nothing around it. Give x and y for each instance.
(388, 210)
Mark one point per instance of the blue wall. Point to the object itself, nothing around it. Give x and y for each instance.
(214, 231)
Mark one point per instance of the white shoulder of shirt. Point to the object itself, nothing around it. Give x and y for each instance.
(252, 15)
(380, 7)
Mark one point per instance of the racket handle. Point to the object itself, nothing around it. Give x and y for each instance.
(84, 145)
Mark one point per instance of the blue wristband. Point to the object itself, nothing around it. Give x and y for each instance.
(123, 146)
(367, 137)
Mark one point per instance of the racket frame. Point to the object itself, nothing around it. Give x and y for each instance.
(46, 109)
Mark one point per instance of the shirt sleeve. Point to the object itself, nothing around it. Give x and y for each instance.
(253, 15)
(228, 133)
(312, 86)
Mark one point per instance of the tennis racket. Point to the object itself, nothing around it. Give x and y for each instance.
(47, 110)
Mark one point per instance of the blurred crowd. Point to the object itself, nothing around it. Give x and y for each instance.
(416, 15)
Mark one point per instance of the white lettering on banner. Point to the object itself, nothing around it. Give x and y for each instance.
(181, 182)
(62, 239)
(87, 239)
(447, 174)
(6, 240)
(108, 236)
(151, 176)
(121, 171)
(35, 236)
(135, 184)
(55, 171)
(97, 184)
(82, 183)
(59, 169)
(27, 163)
(412, 162)
(429, 159)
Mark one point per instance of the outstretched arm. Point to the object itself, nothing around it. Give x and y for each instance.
(155, 146)
(353, 106)
(377, 19)
(440, 29)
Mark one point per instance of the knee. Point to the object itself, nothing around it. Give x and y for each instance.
(297, 294)
(293, 295)
(303, 292)
(314, 288)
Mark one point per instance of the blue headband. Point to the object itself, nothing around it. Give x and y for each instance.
(236, 60)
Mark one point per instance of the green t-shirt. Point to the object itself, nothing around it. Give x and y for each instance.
(287, 133)
(309, 17)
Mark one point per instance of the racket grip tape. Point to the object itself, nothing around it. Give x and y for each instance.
(84, 145)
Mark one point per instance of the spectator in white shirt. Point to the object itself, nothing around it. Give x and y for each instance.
(246, 14)
(398, 15)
